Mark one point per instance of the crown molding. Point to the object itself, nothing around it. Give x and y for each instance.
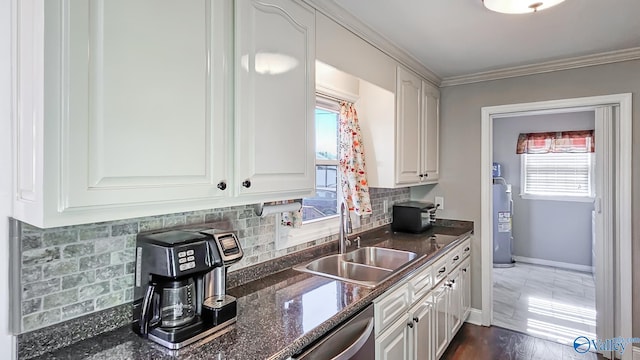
(545, 67)
(341, 16)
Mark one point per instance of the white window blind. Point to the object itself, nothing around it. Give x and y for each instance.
(557, 174)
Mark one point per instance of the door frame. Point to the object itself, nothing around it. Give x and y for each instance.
(622, 210)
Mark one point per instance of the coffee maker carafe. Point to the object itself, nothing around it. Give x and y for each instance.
(173, 272)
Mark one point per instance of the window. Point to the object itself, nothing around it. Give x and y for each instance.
(557, 176)
(325, 202)
(320, 213)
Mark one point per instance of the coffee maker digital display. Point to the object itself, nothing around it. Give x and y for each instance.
(180, 285)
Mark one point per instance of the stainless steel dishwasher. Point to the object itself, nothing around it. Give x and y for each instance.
(353, 340)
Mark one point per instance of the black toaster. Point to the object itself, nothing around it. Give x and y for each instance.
(413, 216)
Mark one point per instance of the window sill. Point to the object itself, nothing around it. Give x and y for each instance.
(310, 232)
(585, 199)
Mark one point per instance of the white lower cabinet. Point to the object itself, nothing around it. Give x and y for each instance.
(410, 336)
(393, 343)
(465, 278)
(422, 340)
(440, 318)
(454, 305)
(433, 318)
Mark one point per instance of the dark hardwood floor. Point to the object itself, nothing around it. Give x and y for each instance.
(493, 343)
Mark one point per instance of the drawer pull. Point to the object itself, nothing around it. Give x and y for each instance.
(410, 325)
(466, 249)
(456, 258)
(415, 319)
(442, 270)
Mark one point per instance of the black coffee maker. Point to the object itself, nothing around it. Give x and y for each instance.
(176, 271)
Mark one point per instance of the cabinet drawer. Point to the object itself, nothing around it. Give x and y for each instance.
(421, 284)
(390, 307)
(465, 248)
(454, 258)
(441, 269)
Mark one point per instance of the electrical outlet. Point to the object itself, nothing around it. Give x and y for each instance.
(385, 206)
(440, 202)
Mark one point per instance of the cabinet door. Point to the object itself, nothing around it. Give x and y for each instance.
(465, 285)
(275, 97)
(393, 344)
(440, 319)
(391, 306)
(454, 303)
(143, 119)
(423, 341)
(408, 127)
(430, 134)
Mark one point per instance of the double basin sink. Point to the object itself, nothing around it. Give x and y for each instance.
(367, 266)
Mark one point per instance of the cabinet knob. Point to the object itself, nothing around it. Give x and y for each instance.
(415, 319)
(465, 269)
(452, 281)
(246, 184)
(426, 175)
(410, 325)
(222, 185)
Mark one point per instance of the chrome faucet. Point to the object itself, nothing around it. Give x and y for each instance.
(346, 228)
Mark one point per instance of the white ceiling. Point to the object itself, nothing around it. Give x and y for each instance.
(460, 37)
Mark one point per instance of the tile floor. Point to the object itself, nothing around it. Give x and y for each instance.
(546, 302)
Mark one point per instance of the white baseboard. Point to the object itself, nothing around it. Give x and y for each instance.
(636, 353)
(475, 317)
(557, 264)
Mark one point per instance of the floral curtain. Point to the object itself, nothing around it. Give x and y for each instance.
(556, 142)
(355, 189)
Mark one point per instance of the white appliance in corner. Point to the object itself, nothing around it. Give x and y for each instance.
(502, 224)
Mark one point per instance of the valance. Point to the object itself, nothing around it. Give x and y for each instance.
(556, 142)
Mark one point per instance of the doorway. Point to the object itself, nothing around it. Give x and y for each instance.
(613, 206)
(543, 192)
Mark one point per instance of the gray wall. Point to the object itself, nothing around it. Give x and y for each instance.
(72, 271)
(543, 229)
(460, 142)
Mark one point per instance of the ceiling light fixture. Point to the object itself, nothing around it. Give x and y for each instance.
(519, 6)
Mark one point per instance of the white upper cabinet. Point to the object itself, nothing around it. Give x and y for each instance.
(401, 146)
(430, 133)
(417, 129)
(275, 92)
(145, 121)
(408, 127)
(124, 111)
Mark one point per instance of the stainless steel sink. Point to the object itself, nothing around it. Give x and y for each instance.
(367, 266)
(380, 257)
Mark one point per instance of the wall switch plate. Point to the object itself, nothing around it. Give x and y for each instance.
(439, 201)
(385, 206)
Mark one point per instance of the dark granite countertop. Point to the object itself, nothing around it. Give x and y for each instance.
(280, 314)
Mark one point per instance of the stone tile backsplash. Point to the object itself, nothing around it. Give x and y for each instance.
(71, 271)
